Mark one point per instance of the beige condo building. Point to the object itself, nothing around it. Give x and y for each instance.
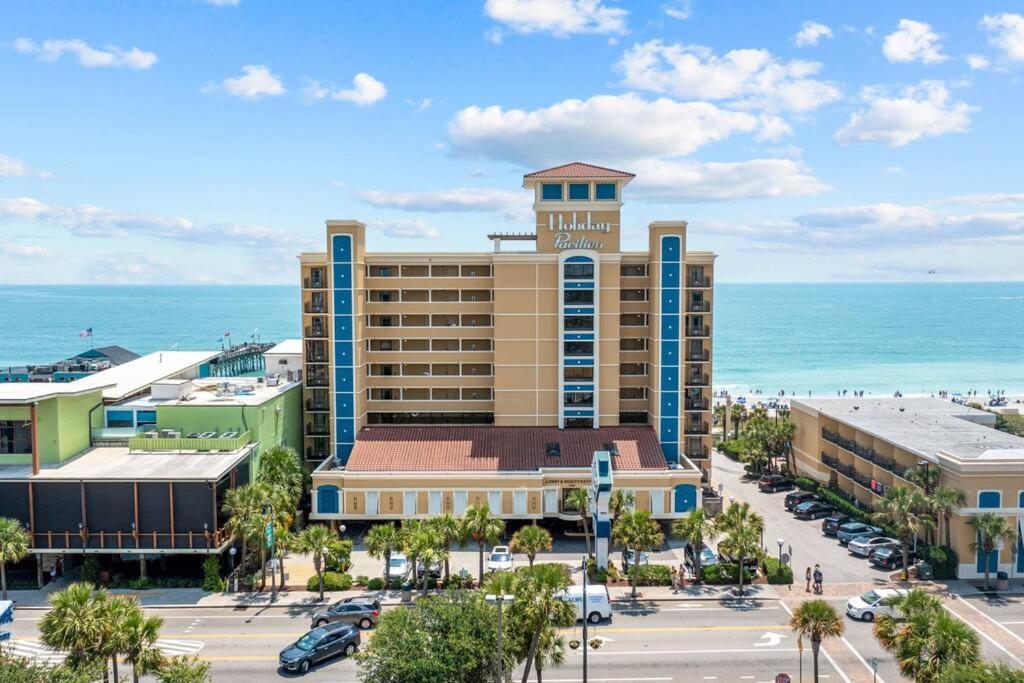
(438, 380)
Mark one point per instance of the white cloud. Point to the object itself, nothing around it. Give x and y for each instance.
(85, 220)
(913, 41)
(750, 78)
(420, 105)
(810, 33)
(1008, 30)
(256, 82)
(15, 168)
(459, 199)
(715, 181)
(989, 198)
(406, 228)
(605, 128)
(365, 90)
(223, 3)
(495, 35)
(89, 57)
(560, 18)
(922, 110)
(977, 62)
(678, 9)
(27, 251)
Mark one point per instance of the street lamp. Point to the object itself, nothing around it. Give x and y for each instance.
(500, 600)
(781, 543)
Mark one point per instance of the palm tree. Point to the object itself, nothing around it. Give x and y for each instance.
(430, 553)
(446, 526)
(926, 639)
(638, 532)
(697, 528)
(759, 412)
(412, 543)
(903, 510)
(280, 466)
(550, 651)
(579, 500)
(990, 530)
(737, 413)
(816, 620)
(531, 539)
(943, 503)
(621, 500)
(537, 610)
(114, 639)
(75, 622)
(928, 479)
(139, 634)
(381, 541)
(14, 544)
(244, 505)
(482, 527)
(322, 543)
(742, 528)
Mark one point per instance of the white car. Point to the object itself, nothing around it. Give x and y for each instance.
(500, 559)
(870, 605)
(398, 566)
(864, 545)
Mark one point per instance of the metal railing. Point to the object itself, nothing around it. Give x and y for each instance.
(185, 443)
(698, 281)
(698, 330)
(697, 428)
(129, 540)
(315, 307)
(697, 380)
(697, 404)
(698, 307)
(314, 283)
(699, 356)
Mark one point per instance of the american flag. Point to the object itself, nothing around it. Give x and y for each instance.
(87, 332)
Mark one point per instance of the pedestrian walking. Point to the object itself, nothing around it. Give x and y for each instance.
(808, 576)
(818, 578)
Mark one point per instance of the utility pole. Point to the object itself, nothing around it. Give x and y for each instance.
(586, 621)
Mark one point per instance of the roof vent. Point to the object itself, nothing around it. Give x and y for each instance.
(553, 450)
(611, 448)
(902, 409)
(856, 407)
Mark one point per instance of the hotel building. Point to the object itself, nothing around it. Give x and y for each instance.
(863, 446)
(437, 380)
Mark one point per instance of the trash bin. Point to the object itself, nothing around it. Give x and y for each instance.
(406, 592)
(1002, 581)
(925, 571)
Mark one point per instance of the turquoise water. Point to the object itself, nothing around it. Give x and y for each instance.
(799, 337)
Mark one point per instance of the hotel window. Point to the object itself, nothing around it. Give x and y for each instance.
(494, 501)
(579, 322)
(579, 399)
(632, 344)
(579, 296)
(371, 502)
(630, 393)
(461, 502)
(551, 191)
(604, 191)
(434, 503)
(409, 502)
(519, 502)
(579, 271)
(633, 270)
(579, 191)
(579, 423)
(15, 437)
(633, 418)
(575, 348)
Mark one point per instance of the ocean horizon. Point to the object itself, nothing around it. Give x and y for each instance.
(800, 337)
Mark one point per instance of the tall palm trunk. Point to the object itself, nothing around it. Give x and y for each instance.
(3, 579)
(117, 676)
(282, 571)
(815, 648)
(135, 672)
(946, 521)
(480, 544)
(631, 568)
(987, 565)
(245, 553)
(586, 528)
(263, 567)
(318, 565)
(906, 558)
(447, 575)
(698, 566)
(534, 640)
(741, 573)
(387, 569)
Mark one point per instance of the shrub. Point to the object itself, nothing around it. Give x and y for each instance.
(140, 584)
(343, 561)
(456, 581)
(731, 448)
(776, 573)
(375, 584)
(333, 581)
(212, 583)
(943, 560)
(396, 584)
(724, 574)
(90, 571)
(806, 483)
(651, 575)
(361, 580)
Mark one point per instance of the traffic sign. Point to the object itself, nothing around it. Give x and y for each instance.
(783, 678)
(270, 534)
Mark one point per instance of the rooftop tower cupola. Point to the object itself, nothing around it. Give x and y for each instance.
(577, 206)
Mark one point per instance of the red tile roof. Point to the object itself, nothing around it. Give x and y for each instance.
(578, 169)
(451, 449)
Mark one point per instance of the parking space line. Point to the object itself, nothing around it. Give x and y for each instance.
(984, 635)
(968, 603)
(867, 666)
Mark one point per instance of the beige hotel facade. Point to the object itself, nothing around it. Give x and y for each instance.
(434, 381)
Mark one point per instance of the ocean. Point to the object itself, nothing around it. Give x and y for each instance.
(820, 338)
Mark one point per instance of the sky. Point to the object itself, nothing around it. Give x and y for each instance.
(206, 141)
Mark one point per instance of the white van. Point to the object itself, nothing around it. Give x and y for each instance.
(875, 602)
(599, 605)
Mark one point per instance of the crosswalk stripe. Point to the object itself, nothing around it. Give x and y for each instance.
(39, 652)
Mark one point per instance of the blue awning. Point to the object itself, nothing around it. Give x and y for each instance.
(6, 611)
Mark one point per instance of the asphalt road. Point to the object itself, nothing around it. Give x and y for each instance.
(674, 641)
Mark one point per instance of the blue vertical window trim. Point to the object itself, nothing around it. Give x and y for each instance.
(989, 499)
(670, 379)
(685, 497)
(342, 302)
(1020, 499)
(671, 246)
(343, 328)
(669, 429)
(327, 500)
(579, 191)
(670, 275)
(342, 451)
(670, 302)
(343, 430)
(670, 327)
(342, 276)
(604, 191)
(669, 353)
(670, 405)
(670, 451)
(343, 405)
(551, 191)
(342, 350)
(343, 379)
(341, 248)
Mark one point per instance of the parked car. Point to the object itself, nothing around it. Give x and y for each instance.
(366, 597)
(599, 606)
(775, 482)
(433, 570)
(500, 559)
(318, 645)
(398, 566)
(865, 544)
(629, 557)
(813, 509)
(889, 556)
(707, 557)
(874, 603)
(798, 497)
(830, 527)
(365, 614)
(852, 530)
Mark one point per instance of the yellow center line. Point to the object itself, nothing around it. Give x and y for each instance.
(676, 629)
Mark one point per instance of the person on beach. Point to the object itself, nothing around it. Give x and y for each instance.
(808, 576)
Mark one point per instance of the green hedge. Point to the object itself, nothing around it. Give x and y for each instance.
(724, 574)
(333, 581)
(776, 573)
(943, 561)
(731, 448)
(806, 483)
(212, 582)
(651, 575)
(375, 584)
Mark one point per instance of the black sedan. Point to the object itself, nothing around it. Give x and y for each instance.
(798, 497)
(890, 557)
(830, 527)
(319, 645)
(813, 510)
(774, 482)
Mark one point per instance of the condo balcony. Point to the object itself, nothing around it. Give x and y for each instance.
(317, 428)
(315, 306)
(697, 428)
(315, 282)
(316, 331)
(698, 280)
(316, 379)
(697, 404)
(698, 330)
(316, 452)
(698, 307)
(316, 406)
(698, 355)
(697, 379)
(698, 453)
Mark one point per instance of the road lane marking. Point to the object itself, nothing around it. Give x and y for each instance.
(867, 666)
(984, 635)
(608, 680)
(600, 653)
(968, 603)
(842, 674)
(681, 629)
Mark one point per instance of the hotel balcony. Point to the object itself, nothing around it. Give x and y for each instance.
(316, 280)
(318, 428)
(317, 379)
(698, 280)
(864, 452)
(698, 307)
(318, 330)
(697, 379)
(317, 448)
(700, 453)
(697, 404)
(701, 428)
(315, 307)
(698, 355)
(316, 406)
(698, 330)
